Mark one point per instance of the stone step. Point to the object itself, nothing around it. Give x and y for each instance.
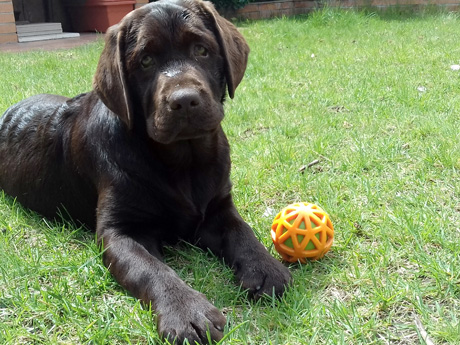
(24, 39)
(38, 28)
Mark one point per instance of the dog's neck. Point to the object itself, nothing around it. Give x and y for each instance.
(183, 154)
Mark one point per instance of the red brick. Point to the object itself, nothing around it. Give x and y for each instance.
(381, 3)
(351, 3)
(445, 2)
(385, 3)
(267, 7)
(9, 28)
(6, 18)
(8, 38)
(286, 12)
(249, 8)
(297, 11)
(6, 7)
(251, 15)
(265, 14)
(287, 4)
(305, 4)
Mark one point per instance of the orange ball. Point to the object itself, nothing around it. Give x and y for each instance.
(302, 231)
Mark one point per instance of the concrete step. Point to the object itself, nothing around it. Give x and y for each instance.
(40, 33)
(24, 39)
(28, 29)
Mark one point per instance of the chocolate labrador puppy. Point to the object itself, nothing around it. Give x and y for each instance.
(143, 159)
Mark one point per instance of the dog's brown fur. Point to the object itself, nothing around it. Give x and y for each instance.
(143, 159)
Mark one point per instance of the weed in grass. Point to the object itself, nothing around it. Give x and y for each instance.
(373, 99)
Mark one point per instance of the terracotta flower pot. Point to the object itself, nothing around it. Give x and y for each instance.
(97, 15)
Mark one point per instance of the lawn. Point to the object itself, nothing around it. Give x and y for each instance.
(376, 100)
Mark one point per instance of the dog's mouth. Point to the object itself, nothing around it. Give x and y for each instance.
(192, 136)
(169, 132)
(166, 138)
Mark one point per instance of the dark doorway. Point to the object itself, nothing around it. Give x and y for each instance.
(39, 11)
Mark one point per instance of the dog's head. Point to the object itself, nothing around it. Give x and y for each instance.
(168, 64)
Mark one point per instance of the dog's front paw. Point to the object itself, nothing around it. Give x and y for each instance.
(190, 316)
(262, 274)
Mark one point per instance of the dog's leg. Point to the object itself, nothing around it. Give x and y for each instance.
(226, 234)
(182, 313)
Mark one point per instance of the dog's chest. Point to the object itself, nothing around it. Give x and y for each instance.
(184, 204)
(195, 188)
(183, 181)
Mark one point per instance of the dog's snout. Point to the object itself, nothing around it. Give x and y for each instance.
(184, 100)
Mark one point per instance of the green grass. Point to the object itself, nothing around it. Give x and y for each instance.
(375, 101)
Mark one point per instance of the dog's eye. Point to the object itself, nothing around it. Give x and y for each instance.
(200, 50)
(147, 62)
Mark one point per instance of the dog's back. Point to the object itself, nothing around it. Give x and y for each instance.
(34, 135)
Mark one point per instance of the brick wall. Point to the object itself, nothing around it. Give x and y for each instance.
(7, 24)
(270, 9)
(262, 10)
(450, 5)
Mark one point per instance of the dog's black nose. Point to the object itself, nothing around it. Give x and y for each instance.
(184, 99)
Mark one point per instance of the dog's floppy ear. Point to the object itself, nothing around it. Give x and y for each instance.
(110, 78)
(233, 45)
